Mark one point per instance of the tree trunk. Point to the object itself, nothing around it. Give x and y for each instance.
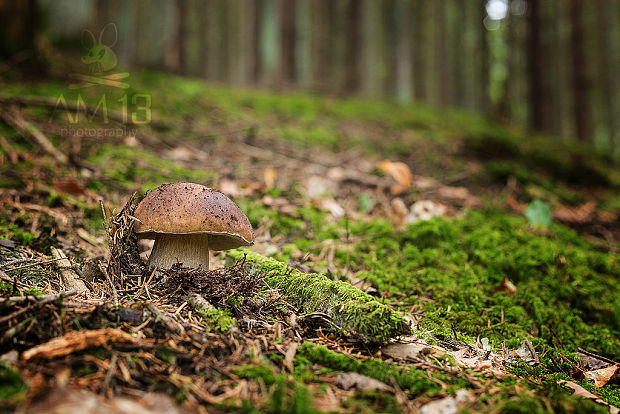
(581, 79)
(354, 35)
(538, 102)
(180, 40)
(287, 39)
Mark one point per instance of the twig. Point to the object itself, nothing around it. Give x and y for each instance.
(13, 156)
(199, 303)
(70, 278)
(146, 284)
(26, 129)
(31, 264)
(593, 355)
(170, 323)
(107, 276)
(20, 299)
(36, 305)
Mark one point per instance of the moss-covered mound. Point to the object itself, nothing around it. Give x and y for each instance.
(348, 307)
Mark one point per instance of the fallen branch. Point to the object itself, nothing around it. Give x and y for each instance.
(77, 341)
(347, 306)
(13, 156)
(167, 320)
(26, 129)
(38, 304)
(44, 262)
(70, 278)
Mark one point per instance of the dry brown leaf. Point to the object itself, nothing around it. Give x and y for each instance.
(348, 380)
(331, 205)
(269, 175)
(425, 210)
(400, 172)
(289, 357)
(70, 186)
(579, 391)
(398, 213)
(603, 375)
(77, 341)
(577, 215)
(505, 286)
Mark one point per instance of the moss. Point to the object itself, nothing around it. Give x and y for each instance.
(32, 292)
(12, 386)
(218, 319)
(369, 402)
(285, 395)
(410, 380)
(348, 307)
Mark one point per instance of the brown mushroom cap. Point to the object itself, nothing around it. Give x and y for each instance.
(187, 208)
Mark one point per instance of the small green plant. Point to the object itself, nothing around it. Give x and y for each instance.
(538, 213)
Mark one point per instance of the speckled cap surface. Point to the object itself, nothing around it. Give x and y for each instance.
(183, 208)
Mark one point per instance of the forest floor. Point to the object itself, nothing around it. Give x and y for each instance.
(498, 247)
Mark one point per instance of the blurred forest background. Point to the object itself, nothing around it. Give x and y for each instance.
(548, 65)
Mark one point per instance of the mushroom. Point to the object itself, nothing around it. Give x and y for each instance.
(186, 220)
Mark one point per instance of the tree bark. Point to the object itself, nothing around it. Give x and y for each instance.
(287, 41)
(538, 102)
(353, 78)
(581, 75)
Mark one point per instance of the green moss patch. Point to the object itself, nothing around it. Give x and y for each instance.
(348, 307)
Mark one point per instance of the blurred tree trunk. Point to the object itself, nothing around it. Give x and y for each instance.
(581, 76)
(287, 39)
(269, 42)
(539, 118)
(203, 44)
(608, 83)
(483, 63)
(20, 23)
(402, 13)
(181, 37)
(373, 35)
(303, 43)
(458, 25)
(354, 37)
(419, 20)
(254, 59)
(319, 43)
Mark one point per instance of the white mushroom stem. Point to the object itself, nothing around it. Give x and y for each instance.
(190, 249)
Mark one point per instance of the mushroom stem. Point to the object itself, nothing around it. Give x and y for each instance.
(190, 249)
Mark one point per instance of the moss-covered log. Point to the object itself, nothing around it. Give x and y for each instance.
(348, 307)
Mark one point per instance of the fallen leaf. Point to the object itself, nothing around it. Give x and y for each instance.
(289, 357)
(398, 213)
(70, 186)
(576, 215)
(448, 405)
(527, 353)
(403, 351)
(579, 391)
(318, 187)
(81, 401)
(505, 286)
(269, 175)
(400, 172)
(331, 205)
(229, 188)
(603, 375)
(348, 380)
(425, 210)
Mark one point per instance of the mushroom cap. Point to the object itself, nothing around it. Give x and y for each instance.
(187, 208)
